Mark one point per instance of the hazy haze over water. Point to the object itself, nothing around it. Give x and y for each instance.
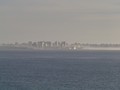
(92, 21)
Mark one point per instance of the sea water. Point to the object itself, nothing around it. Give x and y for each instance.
(59, 70)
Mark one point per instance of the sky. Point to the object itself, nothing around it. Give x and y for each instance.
(85, 21)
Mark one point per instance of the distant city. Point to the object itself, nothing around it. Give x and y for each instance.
(59, 45)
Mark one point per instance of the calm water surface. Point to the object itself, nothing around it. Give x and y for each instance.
(59, 70)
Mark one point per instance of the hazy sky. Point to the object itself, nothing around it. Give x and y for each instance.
(92, 21)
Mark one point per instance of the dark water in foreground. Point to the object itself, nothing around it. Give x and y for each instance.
(83, 70)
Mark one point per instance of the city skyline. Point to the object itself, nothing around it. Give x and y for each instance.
(58, 41)
(82, 21)
(58, 45)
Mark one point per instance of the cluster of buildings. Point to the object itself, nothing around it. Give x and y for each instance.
(47, 44)
(60, 45)
(42, 45)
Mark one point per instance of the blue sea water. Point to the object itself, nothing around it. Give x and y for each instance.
(59, 70)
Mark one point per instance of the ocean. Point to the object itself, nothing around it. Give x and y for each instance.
(59, 70)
